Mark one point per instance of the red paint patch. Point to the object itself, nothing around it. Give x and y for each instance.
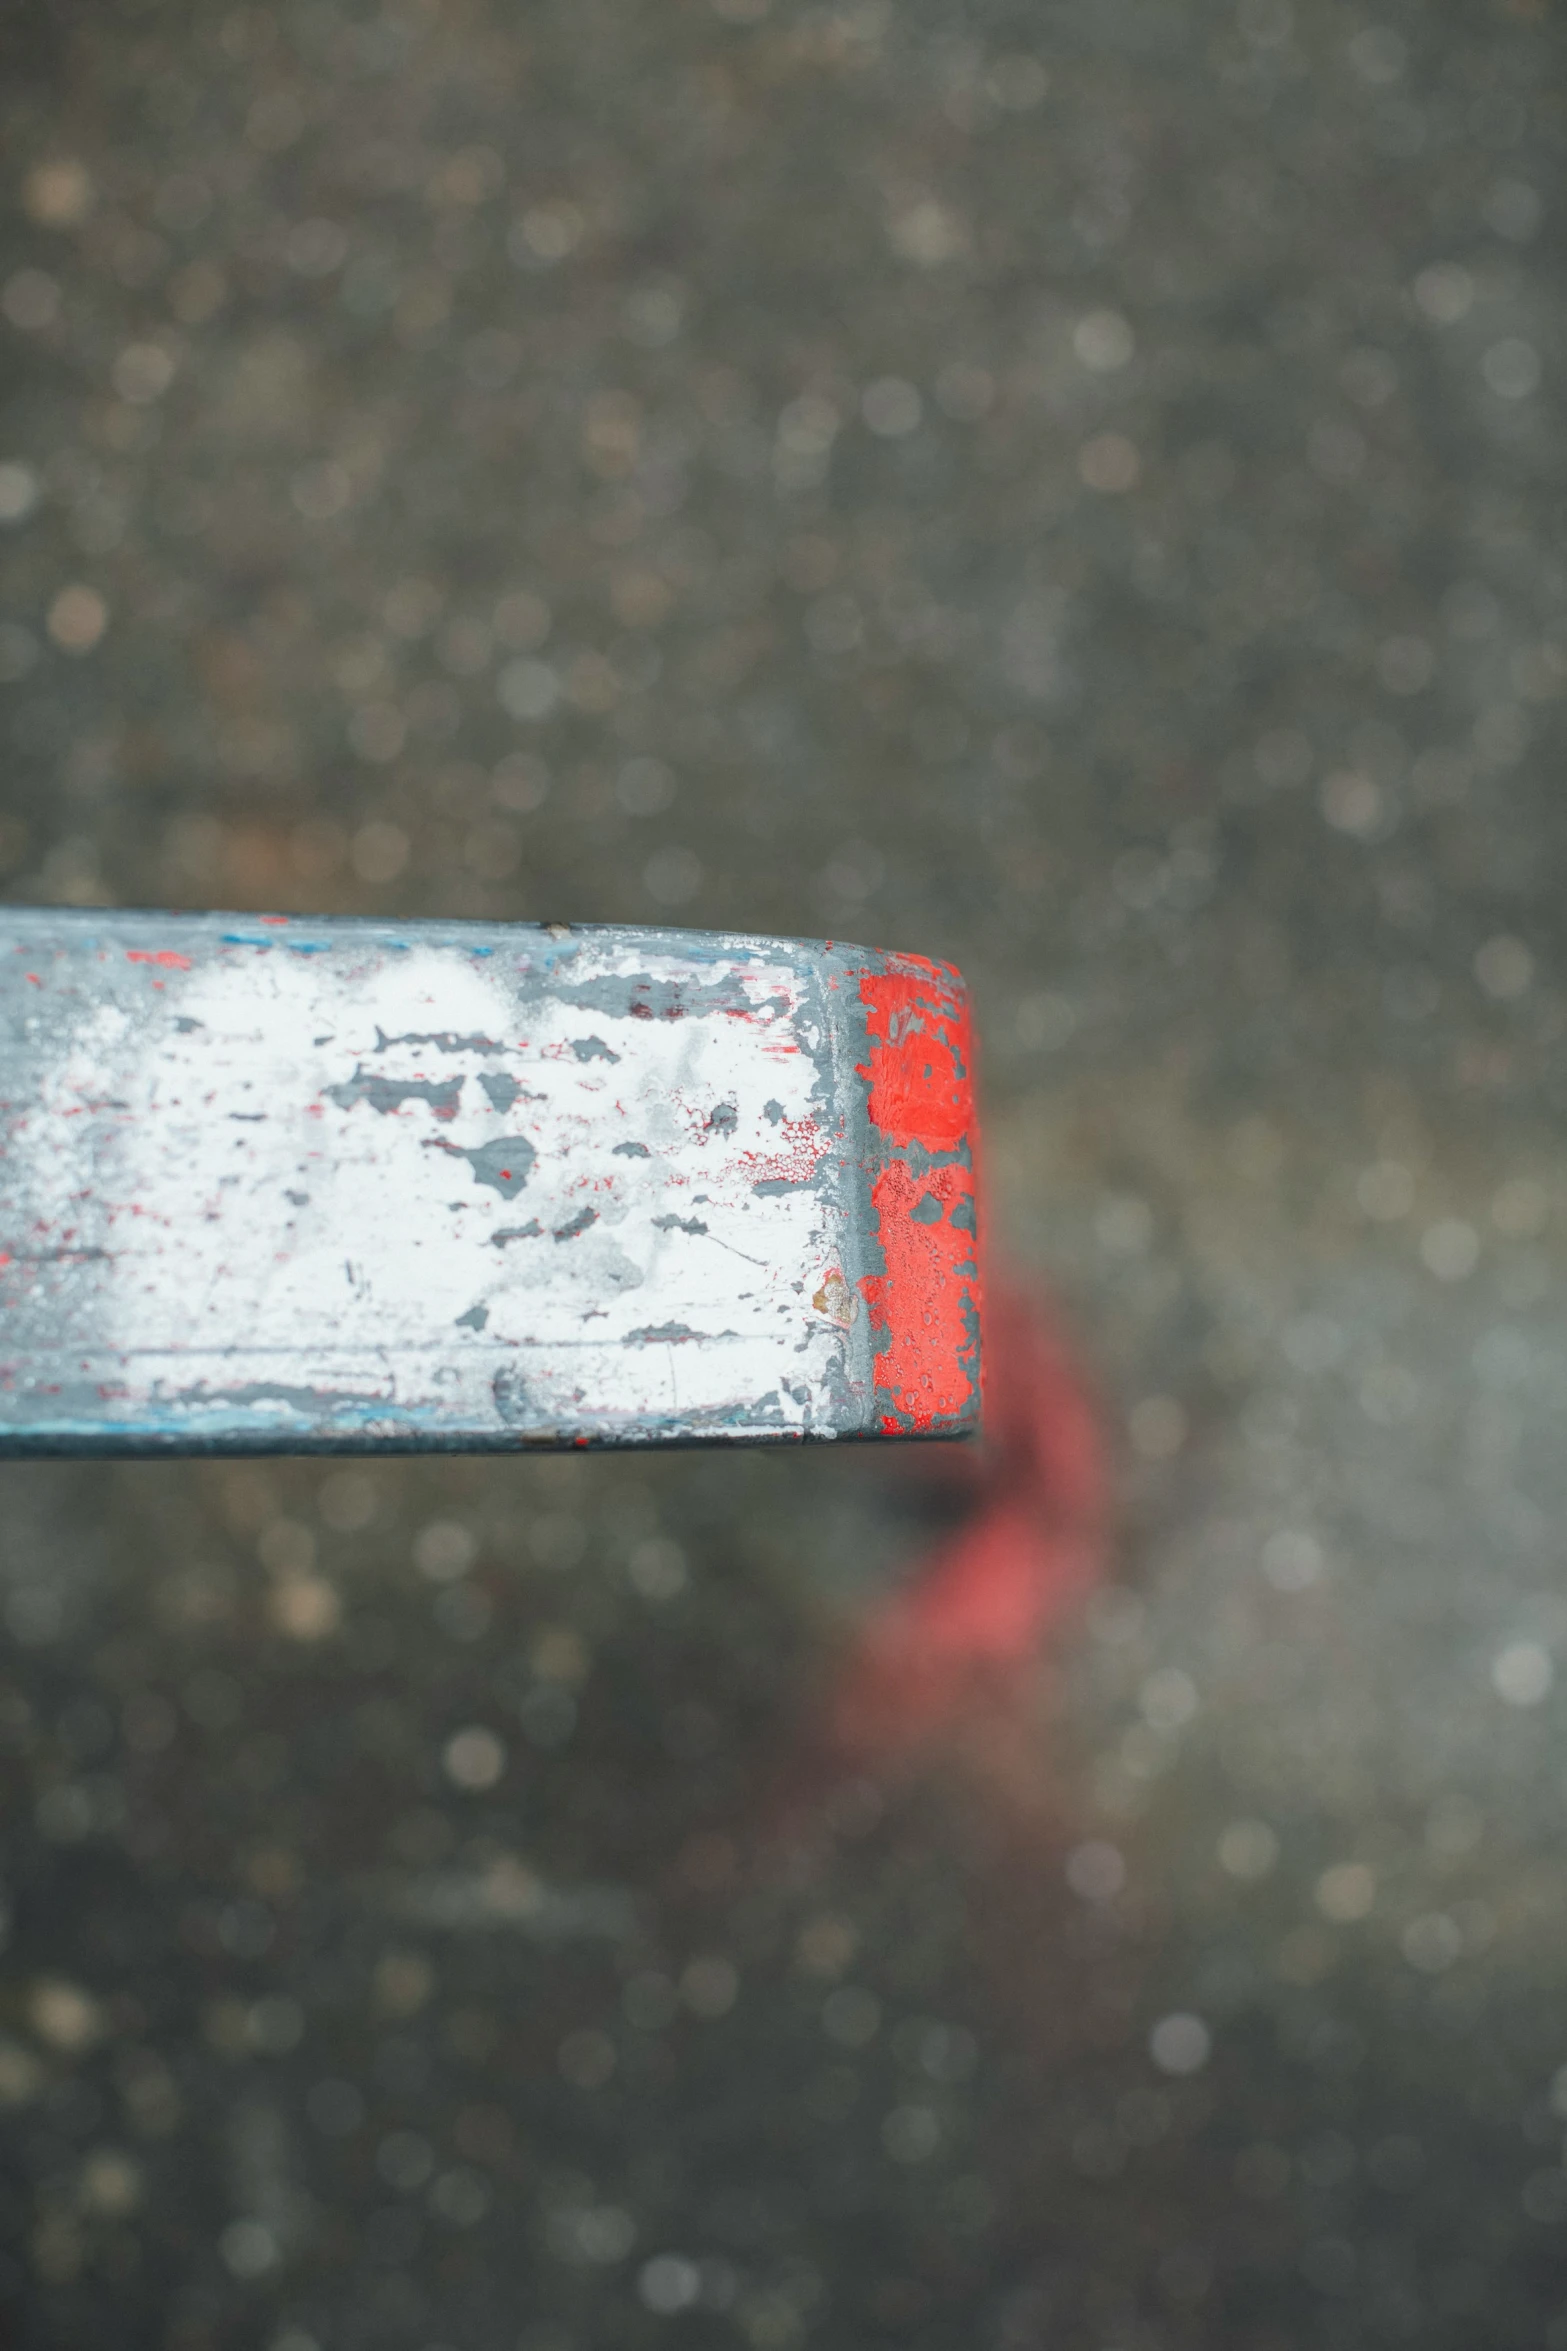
(921, 1052)
(922, 1306)
(166, 957)
(925, 1306)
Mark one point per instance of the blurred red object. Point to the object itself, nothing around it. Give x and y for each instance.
(963, 1634)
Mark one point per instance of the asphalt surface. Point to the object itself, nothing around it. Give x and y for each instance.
(1078, 491)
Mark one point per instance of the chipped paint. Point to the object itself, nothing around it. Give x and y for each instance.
(925, 1302)
(261, 1183)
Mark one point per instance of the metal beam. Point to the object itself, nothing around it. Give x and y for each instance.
(272, 1184)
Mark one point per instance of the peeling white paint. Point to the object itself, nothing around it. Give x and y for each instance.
(275, 1194)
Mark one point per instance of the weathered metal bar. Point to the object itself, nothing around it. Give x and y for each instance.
(287, 1185)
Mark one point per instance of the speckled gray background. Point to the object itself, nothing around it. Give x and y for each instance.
(1077, 490)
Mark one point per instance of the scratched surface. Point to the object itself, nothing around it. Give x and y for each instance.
(286, 1185)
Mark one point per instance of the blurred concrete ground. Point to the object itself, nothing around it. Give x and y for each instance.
(1079, 491)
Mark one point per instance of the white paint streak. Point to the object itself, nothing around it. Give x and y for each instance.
(273, 1218)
